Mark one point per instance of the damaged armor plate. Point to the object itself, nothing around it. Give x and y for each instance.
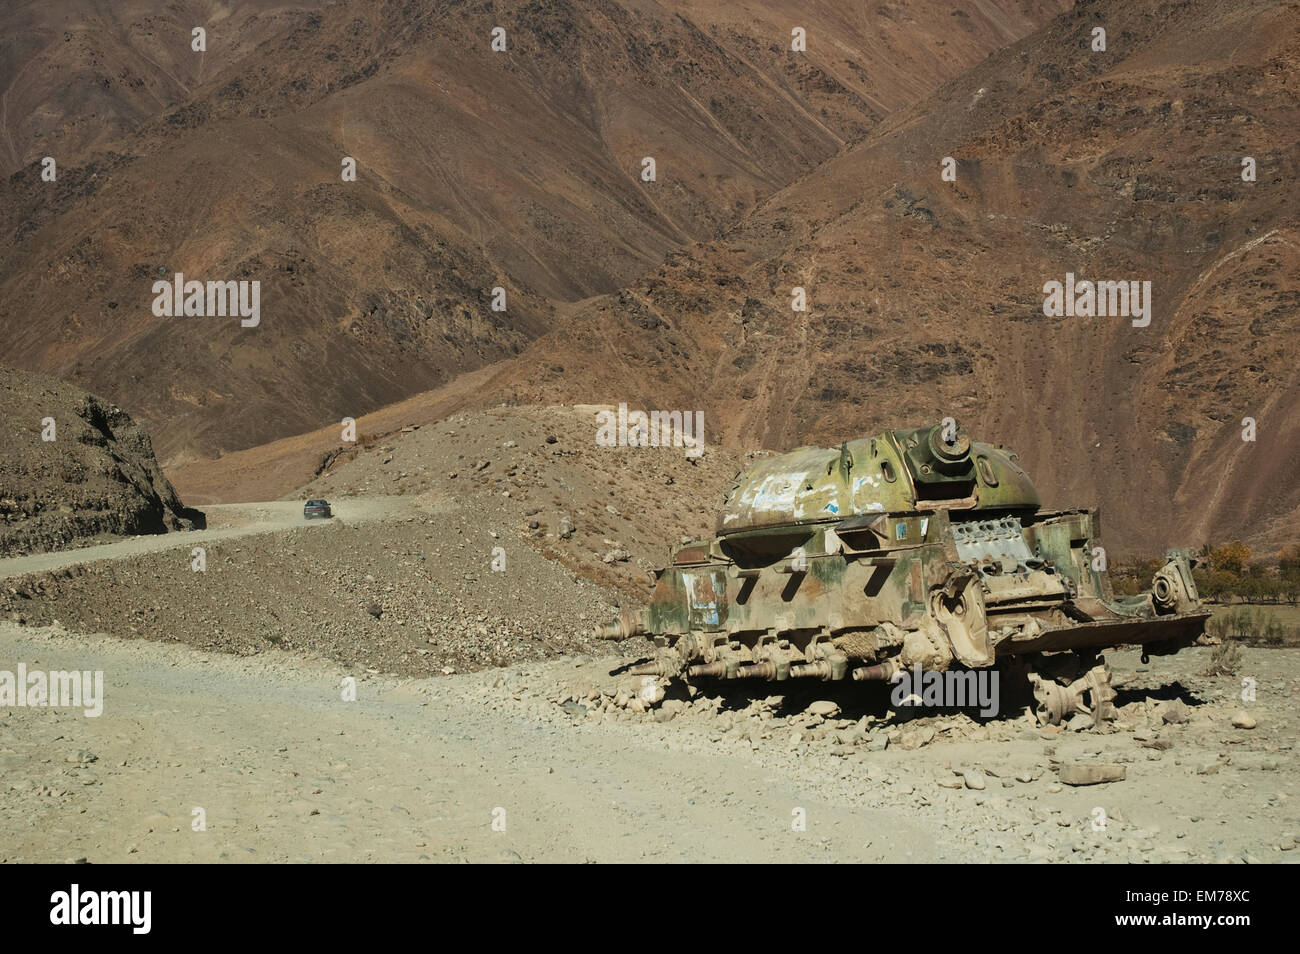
(914, 547)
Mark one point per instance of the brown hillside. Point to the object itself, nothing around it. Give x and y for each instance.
(76, 75)
(475, 169)
(927, 296)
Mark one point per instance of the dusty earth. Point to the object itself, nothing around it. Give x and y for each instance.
(284, 769)
(495, 537)
(480, 690)
(480, 531)
(386, 585)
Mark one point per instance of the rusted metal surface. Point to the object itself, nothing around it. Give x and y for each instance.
(1058, 694)
(913, 547)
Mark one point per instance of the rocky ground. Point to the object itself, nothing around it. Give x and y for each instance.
(406, 588)
(1203, 775)
(76, 469)
(284, 769)
(480, 689)
(490, 538)
(608, 513)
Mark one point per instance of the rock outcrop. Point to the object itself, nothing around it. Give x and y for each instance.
(75, 467)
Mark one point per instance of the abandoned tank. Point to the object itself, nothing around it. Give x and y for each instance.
(913, 548)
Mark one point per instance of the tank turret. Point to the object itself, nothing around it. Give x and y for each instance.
(894, 472)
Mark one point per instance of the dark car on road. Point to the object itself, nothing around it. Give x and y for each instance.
(316, 508)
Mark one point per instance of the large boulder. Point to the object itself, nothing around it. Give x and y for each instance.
(97, 476)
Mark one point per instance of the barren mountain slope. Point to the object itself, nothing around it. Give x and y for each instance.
(475, 169)
(927, 297)
(76, 74)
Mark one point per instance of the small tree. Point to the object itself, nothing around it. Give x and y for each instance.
(1230, 557)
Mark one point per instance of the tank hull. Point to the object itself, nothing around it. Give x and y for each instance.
(968, 572)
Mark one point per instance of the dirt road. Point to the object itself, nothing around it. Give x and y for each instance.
(285, 770)
(225, 522)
